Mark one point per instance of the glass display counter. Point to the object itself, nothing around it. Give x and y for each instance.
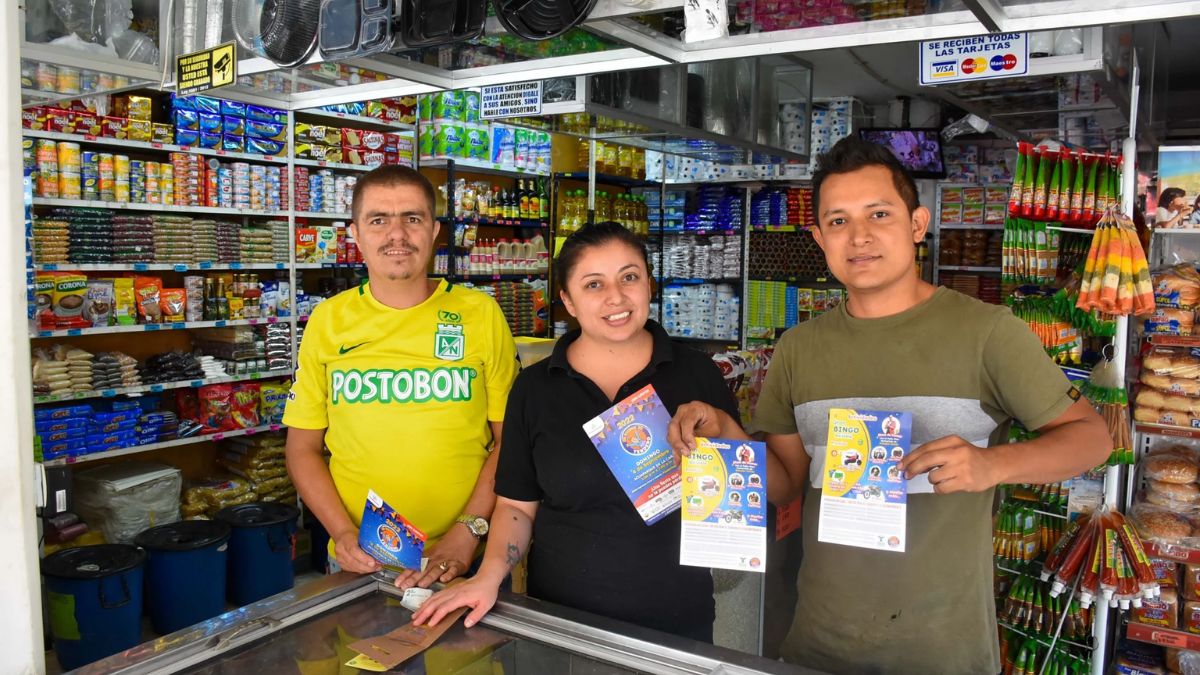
(308, 630)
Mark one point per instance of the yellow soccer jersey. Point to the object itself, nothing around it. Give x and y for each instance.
(404, 396)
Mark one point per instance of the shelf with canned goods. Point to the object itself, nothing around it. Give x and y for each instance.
(158, 267)
(152, 327)
(126, 145)
(323, 215)
(178, 442)
(479, 166)
(354, 120)
(160, 387)
(161, 208)
(334, 166)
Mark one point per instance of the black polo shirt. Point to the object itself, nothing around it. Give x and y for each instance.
(591, 550)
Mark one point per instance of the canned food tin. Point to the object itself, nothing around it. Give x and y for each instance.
(121, 167)
(68, 80)
(47, 183)
(137, 195)
(104, 81)
(121, 191)
(105, 166)
(153, 170)
(69, 156)
(105, 187)
(46, 76)
(69, 185)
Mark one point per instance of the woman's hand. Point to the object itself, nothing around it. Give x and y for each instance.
(449, 558)
(478, 593)
(691, 420)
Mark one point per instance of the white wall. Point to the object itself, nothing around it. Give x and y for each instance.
(21, 618)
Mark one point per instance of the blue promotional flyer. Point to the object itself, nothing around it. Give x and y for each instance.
(725, 505)
(864, 495)
(387, 537)
(631, 436)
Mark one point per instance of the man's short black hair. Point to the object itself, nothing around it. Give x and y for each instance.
(851, 154)
(386, 176)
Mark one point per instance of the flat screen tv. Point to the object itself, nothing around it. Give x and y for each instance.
(919, 150)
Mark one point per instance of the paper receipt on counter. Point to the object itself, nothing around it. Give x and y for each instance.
(864, 495)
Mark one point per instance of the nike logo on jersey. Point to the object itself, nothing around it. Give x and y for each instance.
(346, 350)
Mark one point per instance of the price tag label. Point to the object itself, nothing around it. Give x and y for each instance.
(151, 326)
(74, 331)
(156, 388)
(206, 266)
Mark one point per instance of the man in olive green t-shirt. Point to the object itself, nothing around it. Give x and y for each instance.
(963, 369)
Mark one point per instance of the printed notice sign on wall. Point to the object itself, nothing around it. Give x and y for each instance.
(978, 57)
(511, 100)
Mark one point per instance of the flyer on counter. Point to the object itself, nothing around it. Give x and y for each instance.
(725, 505)
(387, 537)
(864, 495)
(631, 437)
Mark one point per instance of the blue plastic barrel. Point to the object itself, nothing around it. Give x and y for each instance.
(94, 600)
(260, 550)
(185, 573)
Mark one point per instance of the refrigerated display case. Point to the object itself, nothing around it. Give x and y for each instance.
(309, 629)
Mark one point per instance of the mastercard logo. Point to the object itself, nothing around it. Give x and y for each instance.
(973, 65)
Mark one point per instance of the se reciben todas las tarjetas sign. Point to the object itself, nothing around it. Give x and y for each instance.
(977, 57)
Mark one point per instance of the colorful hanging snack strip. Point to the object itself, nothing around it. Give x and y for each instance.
(1116, 276)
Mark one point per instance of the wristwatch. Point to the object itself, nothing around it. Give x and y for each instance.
(478, 525)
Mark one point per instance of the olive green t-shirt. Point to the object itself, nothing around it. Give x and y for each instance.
(961, 367)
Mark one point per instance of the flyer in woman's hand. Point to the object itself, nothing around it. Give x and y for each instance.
(387, 537)
(864, 495)
(725, 505)
(631, 436)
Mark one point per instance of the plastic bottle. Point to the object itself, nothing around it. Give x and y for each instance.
(528, 258)
(583, 153)
(611, 163)
(503, 258)
(625, 161)
(540, 253)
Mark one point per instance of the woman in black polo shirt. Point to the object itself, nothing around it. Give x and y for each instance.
(590, 548)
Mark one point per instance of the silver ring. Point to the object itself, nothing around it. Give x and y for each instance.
(444, 565)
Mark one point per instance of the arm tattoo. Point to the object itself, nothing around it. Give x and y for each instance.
(512, 556)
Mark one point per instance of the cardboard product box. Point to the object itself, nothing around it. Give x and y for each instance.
(140, 130)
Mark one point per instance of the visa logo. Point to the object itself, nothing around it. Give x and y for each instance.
(944, 68)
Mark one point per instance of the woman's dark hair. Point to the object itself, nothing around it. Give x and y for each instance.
(851, 154)
(1169, 195)
(589, 236)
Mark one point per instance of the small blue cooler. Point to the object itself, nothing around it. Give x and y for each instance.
(185, 575)
(260, 550)
(94, 600)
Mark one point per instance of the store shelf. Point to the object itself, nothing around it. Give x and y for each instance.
(491, 277)
(158, 267)
(383, 124)
(799, 280)
(156, 147)
(971, 226)
(156, 388)
(479, 166)
(699, 233)
(1183, 554)
(959, 268)
(707, 341)
(1174, 340)
(152, 327)
(1166, 430)
(1043, 640)
(323, 215)
(689, 281)
(775, 228)
(1072, 230)
(1165, 637)
(173, 209)
(64, 461)
(608, 179)
(1177, 230)
(303, 318)
(330, 266)
(498, 222)
(336, 166)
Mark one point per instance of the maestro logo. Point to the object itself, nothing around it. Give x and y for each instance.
(1001, 62)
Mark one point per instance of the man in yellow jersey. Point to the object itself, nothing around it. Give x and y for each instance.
(405, 380)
